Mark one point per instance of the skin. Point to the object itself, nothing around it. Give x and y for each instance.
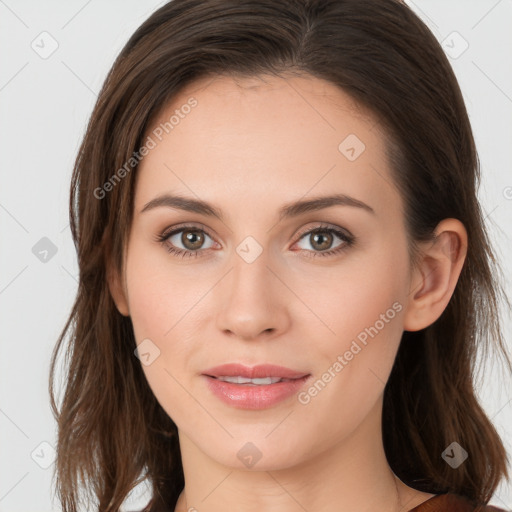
(249, 147)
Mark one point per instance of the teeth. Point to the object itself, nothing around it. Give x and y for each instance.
(257, 382)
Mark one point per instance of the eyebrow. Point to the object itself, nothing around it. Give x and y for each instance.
(293, 209)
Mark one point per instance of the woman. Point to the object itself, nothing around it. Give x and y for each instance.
(284, 269)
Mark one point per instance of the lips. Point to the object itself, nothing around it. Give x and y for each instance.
(257, 387)
(256, 372)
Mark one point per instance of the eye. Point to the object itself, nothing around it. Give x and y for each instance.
(321, 239)
(191, 239)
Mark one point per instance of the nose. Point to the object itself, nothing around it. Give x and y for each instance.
(252, 300)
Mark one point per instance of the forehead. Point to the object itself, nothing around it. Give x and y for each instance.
(277, 136)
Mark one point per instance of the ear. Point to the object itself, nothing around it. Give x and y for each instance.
(117, 290)
(434, 279)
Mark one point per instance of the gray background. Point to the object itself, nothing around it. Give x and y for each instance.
(45, 101)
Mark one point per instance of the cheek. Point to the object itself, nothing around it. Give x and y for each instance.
(162, 311)
(359, 292)
(161, 306)
(364, 311)
(160, 299)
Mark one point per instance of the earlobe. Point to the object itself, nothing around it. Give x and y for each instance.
(117, 291)
(436, 275)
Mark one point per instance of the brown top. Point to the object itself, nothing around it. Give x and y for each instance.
(450, 502)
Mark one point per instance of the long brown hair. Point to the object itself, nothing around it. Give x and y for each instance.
(111, 428)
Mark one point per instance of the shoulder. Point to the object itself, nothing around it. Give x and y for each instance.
(450, 502)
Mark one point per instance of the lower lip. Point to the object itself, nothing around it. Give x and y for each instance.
(244, 396)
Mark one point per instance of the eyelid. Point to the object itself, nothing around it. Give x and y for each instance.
(324, 226)
(186, 225)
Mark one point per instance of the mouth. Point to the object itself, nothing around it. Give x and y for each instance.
(259, 387)
(254, 373)
(264, 381)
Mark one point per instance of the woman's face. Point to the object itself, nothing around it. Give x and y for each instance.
(255, 285)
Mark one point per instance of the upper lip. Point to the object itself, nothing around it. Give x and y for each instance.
(254, 372)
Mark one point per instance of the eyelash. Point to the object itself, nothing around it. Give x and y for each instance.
(348, 240)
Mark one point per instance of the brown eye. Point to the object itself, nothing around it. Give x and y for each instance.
(186, 241)
(321, 240)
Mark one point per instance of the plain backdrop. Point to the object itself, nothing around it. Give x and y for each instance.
(55, 56)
